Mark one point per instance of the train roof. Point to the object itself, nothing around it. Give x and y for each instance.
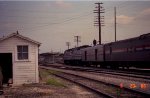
(95, 47)
(78, 48)
(84, 46)
(147, 35)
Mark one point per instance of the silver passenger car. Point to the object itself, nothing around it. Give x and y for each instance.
(93, 55)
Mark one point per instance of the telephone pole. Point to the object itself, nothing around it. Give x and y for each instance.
(99, 22)
(115, 21)
(68, 44)
(77, 39)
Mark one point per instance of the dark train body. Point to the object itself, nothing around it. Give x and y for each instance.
(124, 53)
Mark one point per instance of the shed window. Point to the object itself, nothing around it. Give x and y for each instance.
(22, 52)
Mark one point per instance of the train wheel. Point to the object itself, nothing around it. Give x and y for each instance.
(98, 66)
(1, 92)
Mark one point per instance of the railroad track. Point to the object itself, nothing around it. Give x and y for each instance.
(122, 73)
(106, 71)
(101, 88)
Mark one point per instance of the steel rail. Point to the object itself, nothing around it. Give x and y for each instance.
(127, 89)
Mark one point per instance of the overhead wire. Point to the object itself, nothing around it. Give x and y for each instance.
(67, 20)
(64, 21)
(71, 19)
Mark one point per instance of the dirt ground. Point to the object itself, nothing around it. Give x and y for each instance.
(45, 90)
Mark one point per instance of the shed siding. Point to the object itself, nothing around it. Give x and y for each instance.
(23, 71)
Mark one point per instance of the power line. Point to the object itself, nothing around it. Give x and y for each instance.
(68, 44)
(77, 39)
(65, 21)
(115, 21)
(99, 23)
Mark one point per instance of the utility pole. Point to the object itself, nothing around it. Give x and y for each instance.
(99, 23)
(115, 21)
(77, 39)
(68, 44)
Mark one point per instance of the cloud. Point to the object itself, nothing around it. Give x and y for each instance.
(63, 4)
(123, 19)
(145, 12)
(144, 15)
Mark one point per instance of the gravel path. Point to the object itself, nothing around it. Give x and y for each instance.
(42, 90)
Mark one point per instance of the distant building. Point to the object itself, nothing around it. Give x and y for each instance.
(19, 59)
(50, 58)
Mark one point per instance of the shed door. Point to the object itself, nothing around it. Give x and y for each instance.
(6, 65)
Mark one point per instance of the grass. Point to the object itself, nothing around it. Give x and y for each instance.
(52, 81)
(45, 75)
(52, 72)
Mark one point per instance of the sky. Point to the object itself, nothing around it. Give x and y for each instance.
(55, 22)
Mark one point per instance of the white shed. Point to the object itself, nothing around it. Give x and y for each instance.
(19, 59)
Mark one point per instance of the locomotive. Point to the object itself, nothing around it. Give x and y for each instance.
(132, 52)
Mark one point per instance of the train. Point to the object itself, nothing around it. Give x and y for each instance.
(132, 52)
(1, 81)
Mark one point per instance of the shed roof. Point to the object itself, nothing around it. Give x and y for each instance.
(20, 36)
